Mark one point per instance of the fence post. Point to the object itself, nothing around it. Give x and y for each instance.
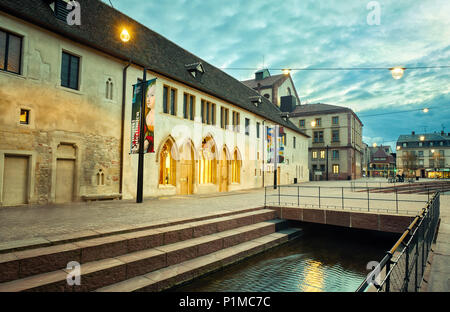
(406, 280)
(396, 199)
(342, 198)
(265, 197)
(279, 187)
(319, 196)
(388, 268)
(368, 200)
(416, 289)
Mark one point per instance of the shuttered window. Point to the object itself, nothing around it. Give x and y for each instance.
(70, 67)
(10, 52)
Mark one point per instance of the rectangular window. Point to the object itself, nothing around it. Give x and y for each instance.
(335, 120)
(318, 121)
(188, 106)
(170, 100)
(335, 136)
(420, 153)
(208, 116)
(318, 136)
(165, 96)
(223, 117)
(203, 111)
(322, 154)
(314, 155)
(293, 142)
(70, 66)
(173, 102)
(247, 126)
(236, 121)
(258, 125)
(10, 52)
(335, 169)
(213, 114)
(24, 116)
(335, 154)
(441, 153)
(302, 123)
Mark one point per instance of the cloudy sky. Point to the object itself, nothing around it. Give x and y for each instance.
(336, 34)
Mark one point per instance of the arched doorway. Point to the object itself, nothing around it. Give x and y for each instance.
(187, 169)
(167, 164)
(224, 165)
(207, 168)
(236, 167)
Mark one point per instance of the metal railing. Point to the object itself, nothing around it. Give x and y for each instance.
(362, 199)
(402, 268)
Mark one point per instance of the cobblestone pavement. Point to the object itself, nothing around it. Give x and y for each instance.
(27, 222)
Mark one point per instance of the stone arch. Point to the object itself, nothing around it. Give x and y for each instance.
(207, 163)
(175, 152)
(236, 166)
(167, 162)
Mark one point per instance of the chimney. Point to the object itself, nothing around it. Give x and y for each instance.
(413, 133)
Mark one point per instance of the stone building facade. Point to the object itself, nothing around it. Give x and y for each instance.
(335, 143)
(65, 113)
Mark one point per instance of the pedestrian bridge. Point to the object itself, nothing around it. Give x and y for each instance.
(354, 207)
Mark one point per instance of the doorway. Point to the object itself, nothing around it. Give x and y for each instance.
(187, 170)
(224, 166)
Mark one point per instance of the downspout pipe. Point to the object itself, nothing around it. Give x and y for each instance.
(122, 126)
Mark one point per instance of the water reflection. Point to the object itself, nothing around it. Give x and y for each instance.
(324, 259)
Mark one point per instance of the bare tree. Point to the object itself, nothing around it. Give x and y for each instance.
(410, 163)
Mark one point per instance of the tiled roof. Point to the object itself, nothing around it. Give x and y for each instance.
(428, 137)
(100, 28)
(265, 83)
(319, 108)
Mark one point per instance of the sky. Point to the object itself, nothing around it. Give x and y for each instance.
(318, 34)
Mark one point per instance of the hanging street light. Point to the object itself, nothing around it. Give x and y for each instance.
(426, 110)
(397, 72)
(125, 36)
(286, 71)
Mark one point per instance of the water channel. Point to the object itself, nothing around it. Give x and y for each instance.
(323, 259)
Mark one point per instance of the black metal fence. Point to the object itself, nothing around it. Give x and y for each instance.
(364, 199)
(402, 268)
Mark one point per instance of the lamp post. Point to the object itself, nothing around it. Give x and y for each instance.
(125, 37)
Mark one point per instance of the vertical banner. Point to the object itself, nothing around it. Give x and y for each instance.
(149, 116)
(280, 145)
(281, 137)
(270, 145)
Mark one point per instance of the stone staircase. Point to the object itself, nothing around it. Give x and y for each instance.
(145, 259)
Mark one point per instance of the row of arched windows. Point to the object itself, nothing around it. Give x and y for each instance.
(207, 163)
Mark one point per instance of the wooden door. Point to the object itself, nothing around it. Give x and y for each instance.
(15, 180)
(65, 175)
(223, 185)
(186, 177)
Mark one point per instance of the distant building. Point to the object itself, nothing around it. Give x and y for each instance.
(382, 163)
(424, 155)
(279, 89)
(335, 143)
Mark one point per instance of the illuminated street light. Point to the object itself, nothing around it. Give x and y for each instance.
(422, 138)
(432, 151)
(374, 144)
(426, 110)
(397, 72)
(286, 71)
(399, 148)
(125, 36)
(313, 123)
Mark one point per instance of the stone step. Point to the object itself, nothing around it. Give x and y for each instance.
(26, 263)
(100, 273)
(168, 277)
(39, 242)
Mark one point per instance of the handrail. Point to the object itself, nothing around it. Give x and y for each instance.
(386, 261)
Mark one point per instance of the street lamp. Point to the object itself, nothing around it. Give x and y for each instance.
(125, 37)
(374, 144)
(313, 123)
(286, 71)
(422, 138)
(397, 72)
(426, 110)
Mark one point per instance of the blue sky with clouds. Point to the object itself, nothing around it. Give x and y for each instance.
(311, 33)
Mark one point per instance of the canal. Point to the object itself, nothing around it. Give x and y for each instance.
(323, 259)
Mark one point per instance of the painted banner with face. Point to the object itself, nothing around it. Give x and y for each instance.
(149, 116)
